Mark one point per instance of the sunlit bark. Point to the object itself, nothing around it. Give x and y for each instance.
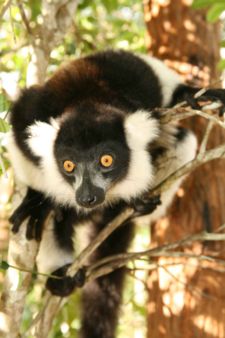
(186, 298)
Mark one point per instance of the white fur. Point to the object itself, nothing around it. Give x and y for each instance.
(53, 182)
(168, 79)
(26, 172)
(47, 177)
(140, 130)
(42, 136)
(182, 153)
(50, 255)
(211, 106)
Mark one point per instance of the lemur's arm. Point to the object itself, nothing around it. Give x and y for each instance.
(187, 93)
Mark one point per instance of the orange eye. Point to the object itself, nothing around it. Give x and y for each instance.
(69, 166)
(106, 161)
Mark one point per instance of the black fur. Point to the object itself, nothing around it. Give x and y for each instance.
(64, 221)
(65, 285)
(186, 93)
(98, 125)
(101, 298)
(36, 207)
(145, 205)
(181, 133)
(118, 79)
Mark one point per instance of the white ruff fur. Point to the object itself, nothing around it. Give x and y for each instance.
(168, 79)
(183, 152)
(47, 177)
(140, 130)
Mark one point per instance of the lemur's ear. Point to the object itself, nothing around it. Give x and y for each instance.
(141, 128)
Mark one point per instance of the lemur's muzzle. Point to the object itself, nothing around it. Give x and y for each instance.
(89, 195)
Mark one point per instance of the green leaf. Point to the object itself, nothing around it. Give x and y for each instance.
(4, 265)
(35, 7)
(204, 3)
(221, 64)
(4, 126)
(215, 11)
(110, 5)
(4, 105)
(222, 44)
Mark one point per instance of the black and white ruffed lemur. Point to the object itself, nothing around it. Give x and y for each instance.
(86, 144)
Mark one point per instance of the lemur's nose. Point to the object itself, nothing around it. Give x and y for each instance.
(87, 201)
(89, 195)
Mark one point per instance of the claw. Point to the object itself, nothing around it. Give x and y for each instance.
(144, 206)
(65, 285)
(208, 101)
(36, 209)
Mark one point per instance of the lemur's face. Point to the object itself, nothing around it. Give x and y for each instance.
(95, 157)
(92, 157)
(94, 171)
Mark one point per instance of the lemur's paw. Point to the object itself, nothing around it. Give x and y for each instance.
(145, 205)
(35, 208)
(213, 99)
(65, 285)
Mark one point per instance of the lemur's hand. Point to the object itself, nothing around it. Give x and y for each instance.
(211, 99)
(65, 285)
(145, 205)
(34, 207)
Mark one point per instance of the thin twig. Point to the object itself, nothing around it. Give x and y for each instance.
(112, 226)
(205, 139)
(24, 17)
(194, 290)
(4, 8)
(2, 166)
(109, 264)
(212, 154)
(181, 113)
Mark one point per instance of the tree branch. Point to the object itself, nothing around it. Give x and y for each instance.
(109, 264)
(4, 8)
(24, 18)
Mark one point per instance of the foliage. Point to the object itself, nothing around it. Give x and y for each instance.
(108, 24)
(4, 128)
(215, 9)
(97, 24)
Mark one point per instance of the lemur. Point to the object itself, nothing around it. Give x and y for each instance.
(87, 144)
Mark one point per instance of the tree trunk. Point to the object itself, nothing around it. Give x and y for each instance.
(186, 296)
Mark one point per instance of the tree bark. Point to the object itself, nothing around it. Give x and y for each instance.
(186, 297)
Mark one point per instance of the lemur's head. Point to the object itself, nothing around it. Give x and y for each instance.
(98, 154)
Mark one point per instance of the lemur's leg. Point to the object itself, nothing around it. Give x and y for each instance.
(56, 248)
(102, 297)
